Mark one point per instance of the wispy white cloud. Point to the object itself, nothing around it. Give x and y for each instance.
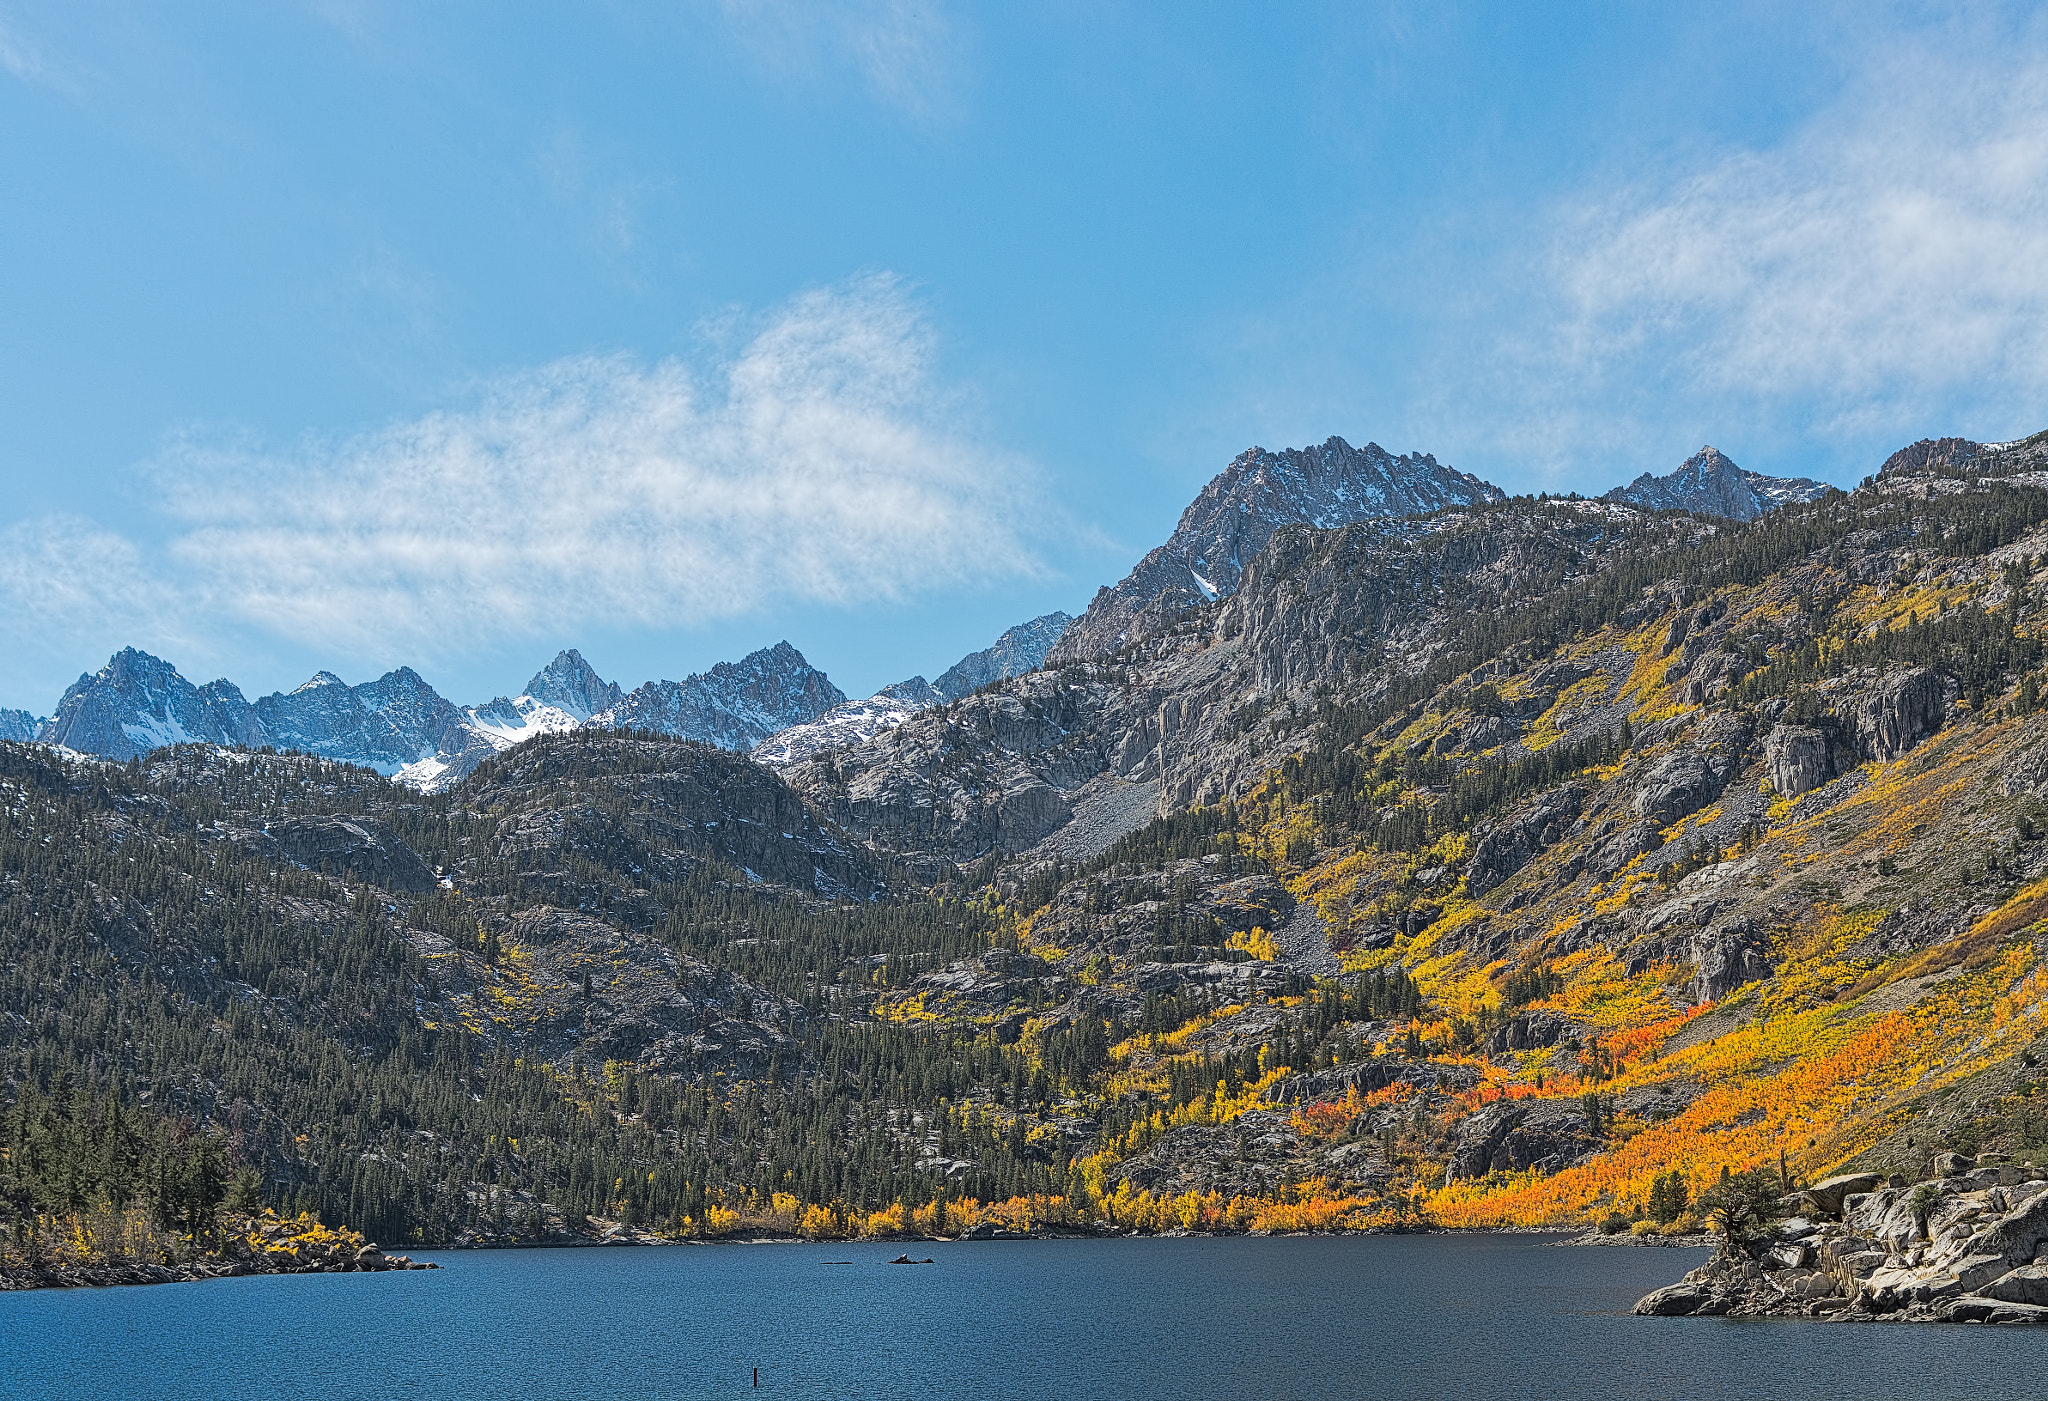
(1884, 265)
(70, 591)
(31, 58)
(17, 58)
(909, 54)
(820, 462)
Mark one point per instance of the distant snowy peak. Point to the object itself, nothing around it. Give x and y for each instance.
(915, 691)
(562, 695)
(1023, 648)
(136, 703)
(1020, 649)
(735, 705)
(570, 685)
(1329, 485)
(386, 724)
(1710, 484)
(478, 732)
(401, 727)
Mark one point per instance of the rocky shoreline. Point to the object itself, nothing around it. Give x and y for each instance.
(256, 1245)
(1967, 1246)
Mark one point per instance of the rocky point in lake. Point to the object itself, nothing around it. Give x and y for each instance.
(1966, 1246)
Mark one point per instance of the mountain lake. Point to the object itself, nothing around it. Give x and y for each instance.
(1296, 1319)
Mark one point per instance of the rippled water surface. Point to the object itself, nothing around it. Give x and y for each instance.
(1468, 1317)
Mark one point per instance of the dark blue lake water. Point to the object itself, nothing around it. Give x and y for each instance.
(1472, 1317)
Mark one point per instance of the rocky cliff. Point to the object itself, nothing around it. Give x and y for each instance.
(569, 684)
(1203, 709)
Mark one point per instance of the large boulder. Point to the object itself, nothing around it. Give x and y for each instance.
(1488, 732)
(1680, 784)
(1826, 1196)
(1681, 1301)
(1529, 1031)
(1615, 852)
(1513, 1137)
(1723, 960)
(2026, 1285)
(1709, 676)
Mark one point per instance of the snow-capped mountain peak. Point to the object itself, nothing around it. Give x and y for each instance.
(137, 702)
(848, 722)
(570, 684)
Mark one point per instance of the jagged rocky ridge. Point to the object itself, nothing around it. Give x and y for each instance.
(1205, 709)
(1234, 516)
(400, 726)
(1020, 649)
(1709, 483)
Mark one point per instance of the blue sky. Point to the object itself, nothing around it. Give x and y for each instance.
(346, 335)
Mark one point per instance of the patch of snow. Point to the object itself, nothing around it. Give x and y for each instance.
(848, 723)
(422, 774)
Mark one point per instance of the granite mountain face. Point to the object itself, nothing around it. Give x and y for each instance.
(19, 727)
(1709, 484)
(387, 724)
(572, 686)
(2020, 462)
(1327, 486)
(1020, 649)
(1204, 709)
(136, 703)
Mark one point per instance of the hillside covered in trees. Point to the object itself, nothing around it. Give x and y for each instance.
(1527, 863)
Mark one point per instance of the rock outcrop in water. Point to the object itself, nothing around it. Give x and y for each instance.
(1967, 1247)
